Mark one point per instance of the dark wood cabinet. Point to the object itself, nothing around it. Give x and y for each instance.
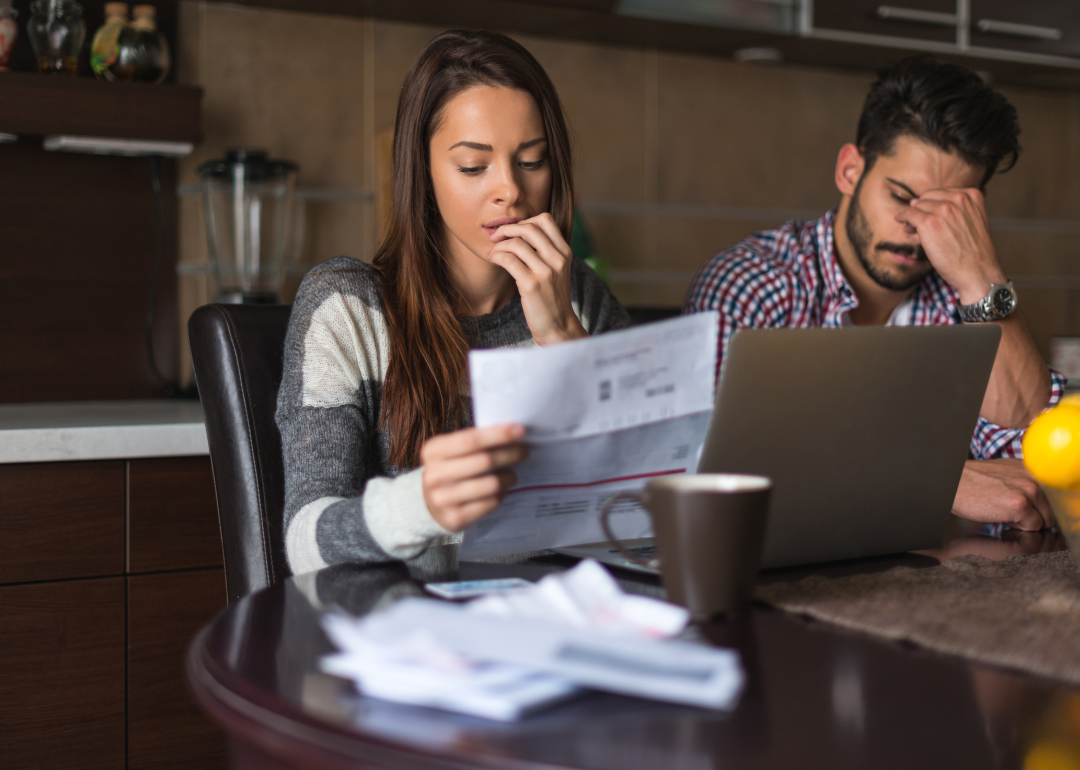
(914, 19)
(62, 674)
(1028, 27)
(165, 728)
(61, 520)
(174, 531)
(107, 570)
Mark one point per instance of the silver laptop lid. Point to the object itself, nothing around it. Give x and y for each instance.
(864, 431)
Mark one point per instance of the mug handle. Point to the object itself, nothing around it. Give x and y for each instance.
(605, 510)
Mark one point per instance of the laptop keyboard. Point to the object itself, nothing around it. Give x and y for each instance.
(641, 551)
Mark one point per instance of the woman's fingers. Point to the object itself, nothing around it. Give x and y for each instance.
(524, 253)
(479, 488)
(466, 473)
(528, 282)
(476, 464)
(468, 441)
(466, 515)
(542, 237)
(547, 225)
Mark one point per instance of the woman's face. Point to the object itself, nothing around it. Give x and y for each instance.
(489, 167)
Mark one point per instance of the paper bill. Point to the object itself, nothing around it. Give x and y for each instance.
(603, 415)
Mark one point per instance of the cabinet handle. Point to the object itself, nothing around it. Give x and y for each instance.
(913, 14)
(1020, 30)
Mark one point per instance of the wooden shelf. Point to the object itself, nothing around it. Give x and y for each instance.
(80, 106)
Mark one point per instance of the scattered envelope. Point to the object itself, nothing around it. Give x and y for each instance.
(506, 655)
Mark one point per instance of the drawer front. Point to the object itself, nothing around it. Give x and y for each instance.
(172, 515)
(61, 520)
(62, 678)
(165, 727)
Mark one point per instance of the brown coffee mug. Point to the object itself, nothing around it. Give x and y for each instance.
(710, 529)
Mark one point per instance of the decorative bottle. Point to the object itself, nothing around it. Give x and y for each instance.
(56, 30)
(9, 30)
(152, 59)
(112, 53)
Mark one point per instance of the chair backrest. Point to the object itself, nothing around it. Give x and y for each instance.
(237, 352)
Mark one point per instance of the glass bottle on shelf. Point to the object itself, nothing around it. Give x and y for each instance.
(152, 59)
(9, 30)
(56, 30)
(113, 50)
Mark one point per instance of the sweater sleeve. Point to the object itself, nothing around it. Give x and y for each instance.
(337, 507)
(595, 305)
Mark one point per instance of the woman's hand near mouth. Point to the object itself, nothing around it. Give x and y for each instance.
(538, 258)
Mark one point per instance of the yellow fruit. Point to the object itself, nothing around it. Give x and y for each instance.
(1048, 756)
(1073, 398)
(1052, 447)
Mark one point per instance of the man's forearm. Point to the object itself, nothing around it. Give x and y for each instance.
(1020, 383)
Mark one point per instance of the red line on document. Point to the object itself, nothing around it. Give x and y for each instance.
(597, 483)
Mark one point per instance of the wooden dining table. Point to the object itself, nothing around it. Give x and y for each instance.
(816, 696)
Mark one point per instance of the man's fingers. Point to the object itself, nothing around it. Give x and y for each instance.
(1042, 505)
(1031, 511)
(469, 440)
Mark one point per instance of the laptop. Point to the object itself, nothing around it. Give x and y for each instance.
(863, 430)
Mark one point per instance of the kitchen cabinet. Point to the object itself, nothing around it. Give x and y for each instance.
(107, 570)
(1050, 27)
(844, 33)
(62, 681)
(915, 19)
(1040, 32)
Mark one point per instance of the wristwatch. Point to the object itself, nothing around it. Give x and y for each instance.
(998, 303)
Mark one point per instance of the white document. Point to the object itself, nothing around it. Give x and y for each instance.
(603, 415)
(508, 654)
(666, 669)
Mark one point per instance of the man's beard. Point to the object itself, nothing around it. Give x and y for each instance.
(860, 236)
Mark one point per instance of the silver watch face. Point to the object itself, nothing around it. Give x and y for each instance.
(1003, 302)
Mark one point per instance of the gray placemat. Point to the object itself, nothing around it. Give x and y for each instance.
(1022, 612)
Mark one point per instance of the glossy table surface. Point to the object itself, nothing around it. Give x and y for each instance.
(817, 696)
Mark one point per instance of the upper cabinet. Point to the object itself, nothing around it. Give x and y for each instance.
(762, 15)
(1047, 27)
(1023, 42)
(914, 19)
(1044, 32)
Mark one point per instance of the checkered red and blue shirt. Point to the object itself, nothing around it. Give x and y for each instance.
(790, 277)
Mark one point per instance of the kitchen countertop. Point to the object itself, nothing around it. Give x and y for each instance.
(100, 430)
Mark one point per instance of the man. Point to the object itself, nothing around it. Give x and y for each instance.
(909, 244)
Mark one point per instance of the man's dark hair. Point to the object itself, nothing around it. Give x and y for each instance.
(945, 105)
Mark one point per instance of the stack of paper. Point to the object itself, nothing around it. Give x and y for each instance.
(505, 655)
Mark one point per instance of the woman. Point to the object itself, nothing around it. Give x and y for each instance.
(374, 412)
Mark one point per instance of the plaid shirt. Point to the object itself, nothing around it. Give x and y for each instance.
(789, 277)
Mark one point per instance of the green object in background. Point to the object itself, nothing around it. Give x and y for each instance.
(581, 244)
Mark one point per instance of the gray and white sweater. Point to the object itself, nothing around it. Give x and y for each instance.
(344, 502)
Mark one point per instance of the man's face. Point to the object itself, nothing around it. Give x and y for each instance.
(888, 250)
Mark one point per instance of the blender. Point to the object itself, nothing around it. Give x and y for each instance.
(248, 200)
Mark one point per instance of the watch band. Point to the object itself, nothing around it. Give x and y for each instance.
(999, 303)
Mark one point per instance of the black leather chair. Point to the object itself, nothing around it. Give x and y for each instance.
(237, 351)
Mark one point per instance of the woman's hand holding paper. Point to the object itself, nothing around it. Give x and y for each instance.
(467, 472)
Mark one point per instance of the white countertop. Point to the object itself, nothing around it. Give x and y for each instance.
(100, 430)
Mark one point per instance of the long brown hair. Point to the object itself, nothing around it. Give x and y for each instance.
(428, 351)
